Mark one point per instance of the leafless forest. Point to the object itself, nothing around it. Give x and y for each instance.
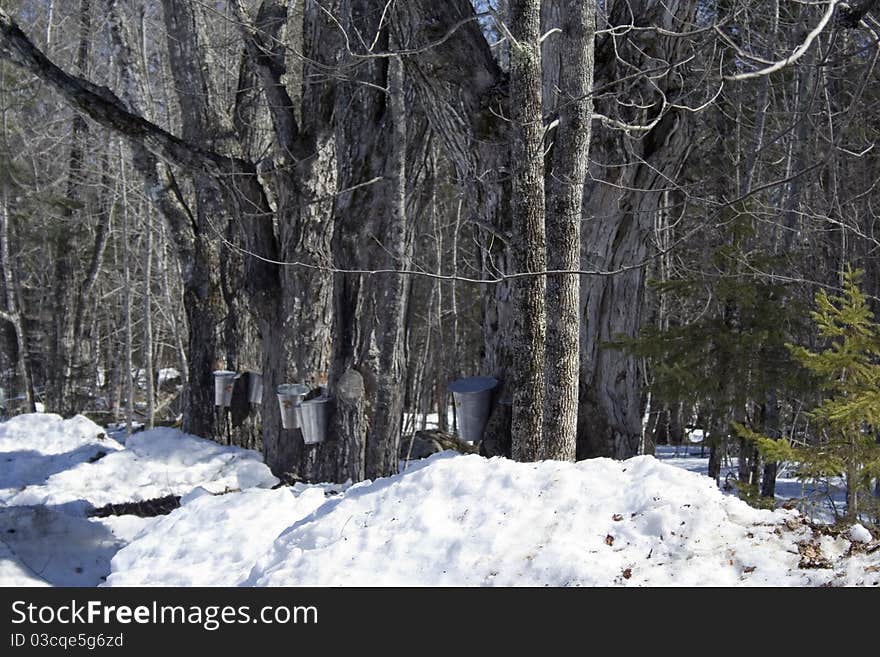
(620, 209)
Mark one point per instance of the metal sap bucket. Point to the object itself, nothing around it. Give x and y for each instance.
(473, 403)
(224, 380)
(314, 415)
(255, 388)
(289, 398)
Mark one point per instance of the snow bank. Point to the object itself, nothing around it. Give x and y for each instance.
(211, 540)
(47, 433)
(153, 464)
(467, 521)
(35, 446)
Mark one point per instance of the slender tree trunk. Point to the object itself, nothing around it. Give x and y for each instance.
(50, 19)
(126, 301)
(84, 301)
(852, 494)
(771, 429)
(798, 154)
(565, 189)
(149, 374)
(12, 313)
(529, 244)
(383, 441)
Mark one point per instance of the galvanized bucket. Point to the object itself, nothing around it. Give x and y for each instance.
(473, 403)
(289, 398)
(314, 414)
(224, 380)
(255, 388)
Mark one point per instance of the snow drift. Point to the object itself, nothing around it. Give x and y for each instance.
(215, 539)
(35, 446)
(470, 521)
(153, 464)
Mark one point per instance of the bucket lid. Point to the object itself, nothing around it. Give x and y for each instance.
(317, 400)
(225, 373)
(473, 384)
(296, 389)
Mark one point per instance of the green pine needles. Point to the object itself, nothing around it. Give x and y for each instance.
(847, 420)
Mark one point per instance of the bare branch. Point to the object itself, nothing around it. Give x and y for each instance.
(105, 108)
(798, 52)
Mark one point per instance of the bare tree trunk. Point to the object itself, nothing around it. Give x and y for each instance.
(384, 439)
(565, 189)
(126, 301)
(50, 16)
(149, 374)
(12, 313)
(529, 244)
(81, 361)
(296, 325)
(170, 304)
(371, 233)
(279, 445)
(197, 253)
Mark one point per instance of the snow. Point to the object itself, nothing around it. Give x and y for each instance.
(63, 549)
(449, 520)
(468, 521)
(13, 572)
(168, 374)
(36, 446)
(858, 534)
(55, 470)
(695, 435)
(178, 551)
(47, 433)
(153, 464)
(817, 500)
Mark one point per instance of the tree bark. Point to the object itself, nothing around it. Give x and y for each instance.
(149, 374)
(371, 233)
(529, 242)
(565, 188)
(619, 211)
(202, 294)
(126, 302)
(349, 425)
(12, 313)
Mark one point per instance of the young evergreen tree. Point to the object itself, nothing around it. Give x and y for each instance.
(847, 419)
